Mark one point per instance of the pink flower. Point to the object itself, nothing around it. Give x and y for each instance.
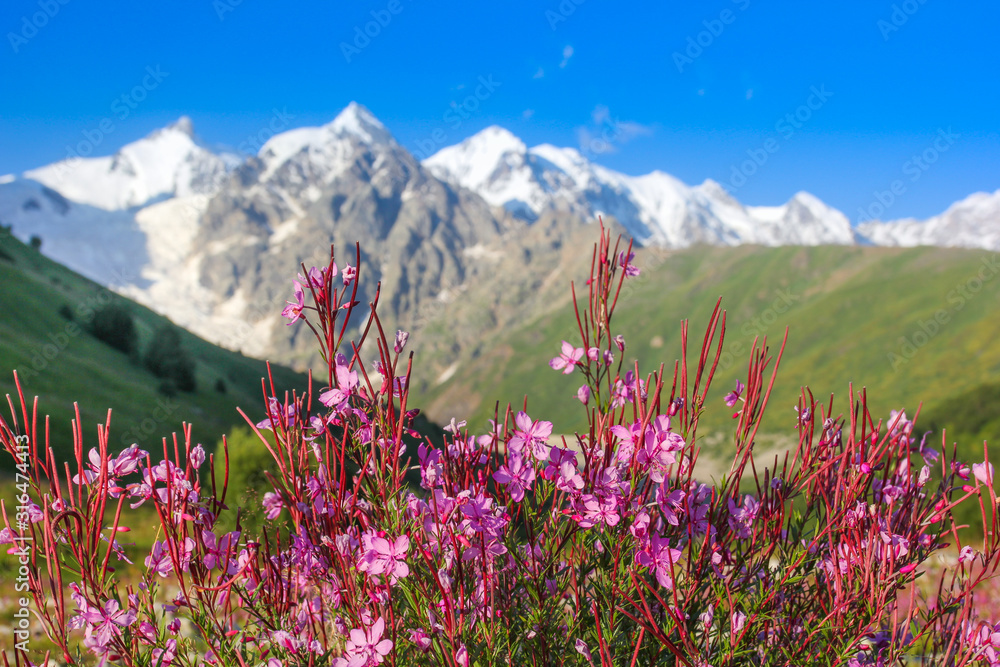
(734, 396)
(380, 556)
(462, 656)
(293, 311)
(534, 434)
(272, 505)
(966, 554)
(349, 274)
(516, 476)
(597, 511)
(366, 647)
(624, 261)
(400, 343)
(567, 359)
(741, 518)
(661, 557)
(421, 639)
(739, 619)
(108, 621)
(159, 560)
(583, 394)
(983, 472)
(347, 382)
(197, 456)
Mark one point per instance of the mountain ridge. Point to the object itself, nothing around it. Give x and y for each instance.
(212, 240)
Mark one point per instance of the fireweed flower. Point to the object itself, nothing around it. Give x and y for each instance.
(347, 382)
(516, 475)
(533, 434)
(661, 558)
(584, 650)
(293, 311)
(108, 621)
(400, 343)
(983, 472)
(734, 396)
(596, 510)
(365, 647)
(568, 358)
(380, 556)
(624, 261)
(275, 410)
(272, 505)
(583, 394)
(741, 518)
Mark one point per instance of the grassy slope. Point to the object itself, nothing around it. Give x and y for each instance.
(849, 308)
(98, 377)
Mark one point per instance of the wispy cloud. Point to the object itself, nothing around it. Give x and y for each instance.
(607, 133)
(539, 74)
(567, 54)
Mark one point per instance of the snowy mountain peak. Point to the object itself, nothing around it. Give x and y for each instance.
(322, 151)
(357, 120)
(655, 208)
(184, 125)
(973, 222)
(168, 162)
(475, 161)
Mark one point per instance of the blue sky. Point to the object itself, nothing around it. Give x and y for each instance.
(694, 89)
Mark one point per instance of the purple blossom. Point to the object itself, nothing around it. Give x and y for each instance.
(347, 382)
(661, 557)
(380, 556)
(533, 434)
(741, 518)
(583, 394)
(983, 472)
(272, 505)
(624, 261)
(734, 396)
(108, 621)
(516, 476)
(596, 510)
(293, 311)
(568, 358)
(349, 274)
(365, 647)
(197, 456)
(400, 343)
(159, 560)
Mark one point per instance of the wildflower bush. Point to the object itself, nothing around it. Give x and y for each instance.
(511, 547)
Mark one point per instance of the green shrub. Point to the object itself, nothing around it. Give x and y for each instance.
(113, 324)
(166, 359)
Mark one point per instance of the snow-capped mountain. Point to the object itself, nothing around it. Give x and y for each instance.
(973, 222)
(123, 218)
(343, 182)
(208, 239)
(656, 209)
(170, 162)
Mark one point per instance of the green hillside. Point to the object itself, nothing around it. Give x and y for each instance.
(45, 311)
(855, 314)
